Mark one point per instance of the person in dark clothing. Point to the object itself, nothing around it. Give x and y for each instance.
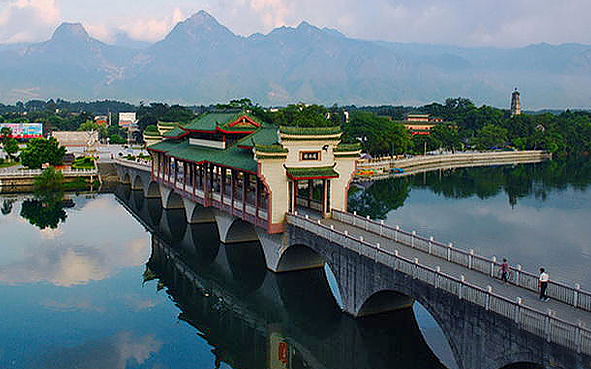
(543, 284)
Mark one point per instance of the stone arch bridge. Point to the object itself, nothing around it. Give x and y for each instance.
(375, 273)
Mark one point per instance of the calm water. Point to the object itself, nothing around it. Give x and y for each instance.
(534, 215)
(84, 285)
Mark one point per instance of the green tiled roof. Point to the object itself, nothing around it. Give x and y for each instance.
(310, 173)
(209, 121)
(168, 124)
(347, 147)
(175, 132)
(310, 131)
(265, 136)
(233, 156)
(271, 148)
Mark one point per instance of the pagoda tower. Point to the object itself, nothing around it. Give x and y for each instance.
(515, 103)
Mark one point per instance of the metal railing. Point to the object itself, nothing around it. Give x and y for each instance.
(571, 295)
(543, 324)
(144, 165)
(35, 172)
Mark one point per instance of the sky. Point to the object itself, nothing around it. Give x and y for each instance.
(472, 23)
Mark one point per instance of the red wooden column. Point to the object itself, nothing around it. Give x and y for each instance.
(185, 176)
(245, 179)
(310, 190)
(256, 198)
(223, 186)
(233, 187)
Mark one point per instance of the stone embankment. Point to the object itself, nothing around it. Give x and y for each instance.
(418, 164)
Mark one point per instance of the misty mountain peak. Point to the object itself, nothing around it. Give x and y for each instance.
(200, 27)
(70, 31)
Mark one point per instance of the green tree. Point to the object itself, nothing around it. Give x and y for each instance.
(422, 143)
(49, 181)
(40, 151)
(43, 214)
(378, 135)
(9, 144)
(490, 136)
(93, 126)
(448, 135)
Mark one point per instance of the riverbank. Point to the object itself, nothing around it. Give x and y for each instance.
(383, 167)
(22, 181)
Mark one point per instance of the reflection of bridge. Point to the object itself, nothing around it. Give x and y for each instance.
(257, 319)
(487, 327)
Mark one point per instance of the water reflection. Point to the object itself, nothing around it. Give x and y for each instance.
(257, 319)
(67, 254)
(116, 352)
(516, 182)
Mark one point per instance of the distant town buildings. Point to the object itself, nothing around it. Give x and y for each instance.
(127, 120)
(420, 124)
(102, 120)
(24, 130)
(515, 103)
(75, 138)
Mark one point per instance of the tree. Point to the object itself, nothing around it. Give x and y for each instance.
(40, 151)
(448, 135)
(490, 136)
(43, 214)
(49, 181)
(93, 126)
(9, 144)
(377, 135)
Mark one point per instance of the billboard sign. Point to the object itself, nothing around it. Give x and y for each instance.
(126, 119)
(24, 130)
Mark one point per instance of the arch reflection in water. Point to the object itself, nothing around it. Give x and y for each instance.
(257, 319)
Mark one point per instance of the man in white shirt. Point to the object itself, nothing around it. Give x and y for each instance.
(543, 284)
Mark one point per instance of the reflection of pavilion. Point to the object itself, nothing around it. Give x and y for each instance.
(255, 171)
(257, 319)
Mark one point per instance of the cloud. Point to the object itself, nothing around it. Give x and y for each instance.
(137, 28)
(112, 352)
(27, 20)
(68, 266)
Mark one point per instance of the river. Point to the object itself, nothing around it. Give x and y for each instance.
(85, 285)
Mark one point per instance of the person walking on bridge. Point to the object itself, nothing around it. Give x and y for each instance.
(543, 284)
(504, 270)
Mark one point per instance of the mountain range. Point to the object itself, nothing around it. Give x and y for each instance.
(201, 61)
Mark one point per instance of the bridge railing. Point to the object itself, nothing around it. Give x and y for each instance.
(571, 295)
(36, 172)
(543, 324)
(141, 165)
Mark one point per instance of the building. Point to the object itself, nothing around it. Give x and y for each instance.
(127, 120)
(421, 124)
(24, 130)
(417, 118)
(102, 120)
(233, 160)
(515, 103)
(76, 138)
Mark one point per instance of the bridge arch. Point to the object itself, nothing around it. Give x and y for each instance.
(153, 190)
(138, 183)
(299, 257)
(247, 264)
(126, 179)
(235, 230)
(523, 365)
(173, 201)
(384, 301)
(201, 243)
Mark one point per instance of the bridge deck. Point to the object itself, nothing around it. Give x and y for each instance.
(562, 310)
